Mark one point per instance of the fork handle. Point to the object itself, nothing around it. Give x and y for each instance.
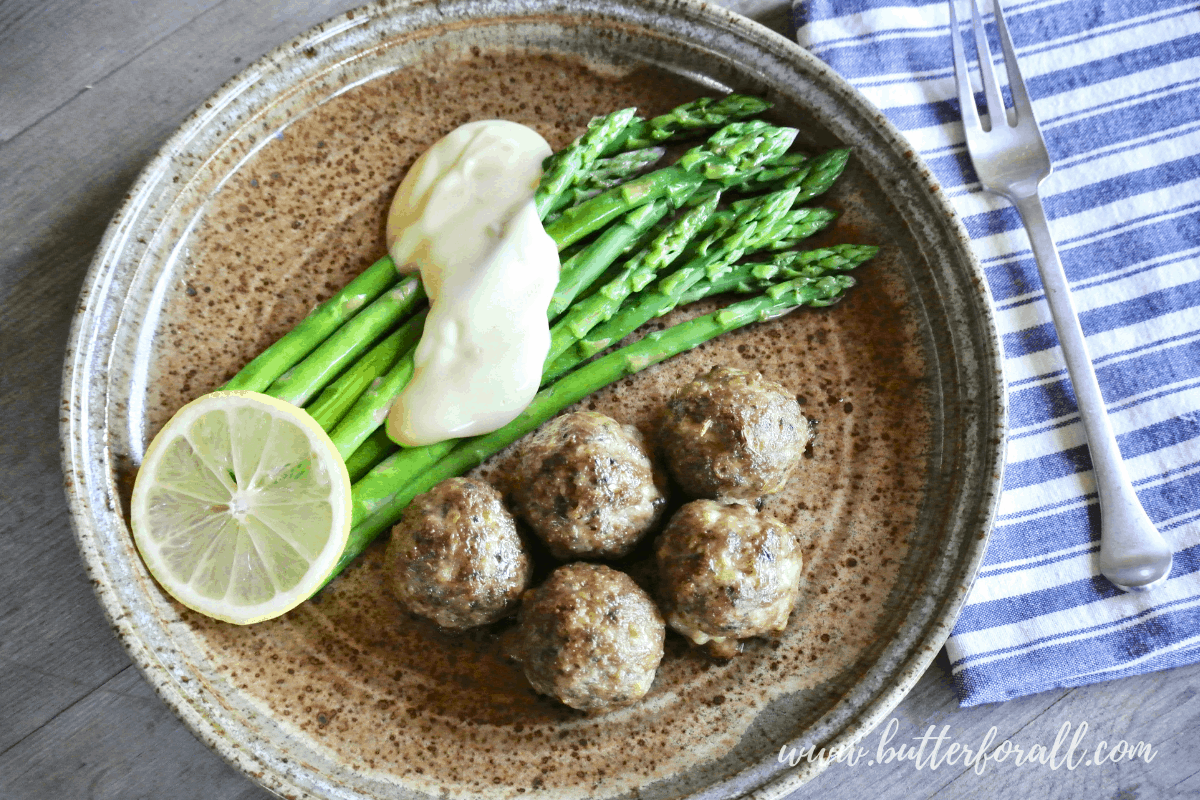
(1129, 541)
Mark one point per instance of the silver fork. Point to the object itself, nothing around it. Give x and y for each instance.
(1011, 160)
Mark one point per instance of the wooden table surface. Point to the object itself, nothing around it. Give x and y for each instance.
(89, 89)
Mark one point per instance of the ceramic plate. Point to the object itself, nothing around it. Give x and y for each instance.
(274, 193)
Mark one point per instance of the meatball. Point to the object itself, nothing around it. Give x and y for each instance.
(590, 637)
(456, 558)
(732, 435)
(587, 487)
(726, 572)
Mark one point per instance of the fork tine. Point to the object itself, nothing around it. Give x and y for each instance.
(966, 95)
(1016, 83)
(991, 88)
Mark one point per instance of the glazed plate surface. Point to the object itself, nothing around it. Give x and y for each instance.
(274, 194)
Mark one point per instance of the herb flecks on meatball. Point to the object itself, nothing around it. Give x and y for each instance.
(732, 435)
(726, 572)
(590, 637)
(587, 487)
(456, 558)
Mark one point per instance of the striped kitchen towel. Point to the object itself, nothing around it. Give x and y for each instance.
(1116, 87)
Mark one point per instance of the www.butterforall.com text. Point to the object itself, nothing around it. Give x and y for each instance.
(1069, 750)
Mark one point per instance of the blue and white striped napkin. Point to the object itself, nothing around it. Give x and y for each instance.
(1116, 87)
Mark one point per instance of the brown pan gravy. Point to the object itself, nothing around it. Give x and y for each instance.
(390, 694)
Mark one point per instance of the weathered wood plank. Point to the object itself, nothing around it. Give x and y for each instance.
(120, 742)
(64, 48)
(55, 646)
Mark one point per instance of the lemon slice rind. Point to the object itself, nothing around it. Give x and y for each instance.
(243, 491)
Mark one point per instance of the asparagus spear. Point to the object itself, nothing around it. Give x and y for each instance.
(375, 489)
(813, 176)
(305, 379)
(796, 225)
(636, 273)
(313, 329)
(329, 316)
(337, 398)
(757, 276)
(726, 157)
(825, 169)
(563, 167)
(701, 114)
(371, 488)
(581, 270)
(369, 408)
(375, 449)
(411, 472)
(712, 255)
(734, 148)
(605, 174)
(608, 172)
(786, 176)
(742, 278)
(667, 295)
(781, 173)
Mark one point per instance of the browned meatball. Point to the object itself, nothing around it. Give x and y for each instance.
(732, 435)
(590, 637)
(726, 572)
(456, 558)
(587, 487)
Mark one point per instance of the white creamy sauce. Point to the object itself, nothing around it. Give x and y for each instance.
(464, 217)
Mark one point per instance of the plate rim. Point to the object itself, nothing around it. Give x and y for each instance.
(95, 310)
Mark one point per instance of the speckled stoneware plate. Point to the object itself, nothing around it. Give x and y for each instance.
(274, 193)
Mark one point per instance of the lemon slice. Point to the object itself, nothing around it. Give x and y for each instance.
(241, 508)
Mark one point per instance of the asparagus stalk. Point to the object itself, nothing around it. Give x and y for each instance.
(669, 294)
(370, 411)
(337, 398)
(824, 170)
(411, 473)
(375, 489)
(608, 172)
(712, 256)
(329, 316)
(372, 489)
(702, 114)
(735, 151)
(581, 270)
(605, 174)
(756, 276)
(782, 173)
(786, 177)
(743, 278)
(727, 157)
(565, 166)
(313, 329)
(813, 176)
(636, 273)
(375, 449)
(305, 379)
(800, 223)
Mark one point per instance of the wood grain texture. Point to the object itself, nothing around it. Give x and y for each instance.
(66, 48)
(76, 720)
